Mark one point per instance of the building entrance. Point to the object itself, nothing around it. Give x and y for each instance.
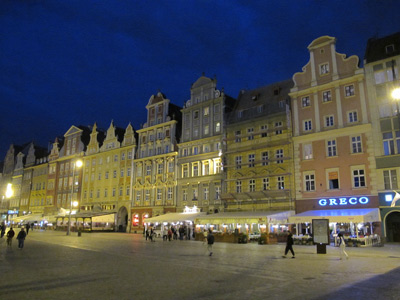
(393, 227)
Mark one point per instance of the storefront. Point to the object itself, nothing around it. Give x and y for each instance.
(185, 220)
(251, 223)
(87, 221)
(356, 217)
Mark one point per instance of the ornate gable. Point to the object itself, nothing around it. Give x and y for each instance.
(111, 140)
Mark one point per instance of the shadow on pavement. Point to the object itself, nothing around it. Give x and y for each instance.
(385, 286)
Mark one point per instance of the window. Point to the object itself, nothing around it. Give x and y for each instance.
(216, 109)
(113, 192)
(333, 180)
(323, 69)
(390, 179)
(217, 192)
(309, 181)
(195, 150)
(305, 101)
(349, 90)
(205, 192)
(195, 193)
(206, 148)
(329, 121)
(279, 156)
(307, 151)
(185, 152)
(252, 185)
(326, 96)
(185, 195)
(123, 156)
(169, 193)
(238, 161)
(307, 125)
(356, 146)
(122, 172)
(264, 158)
(217, 127)
(116, 157)
(251, 160)
(138, 196)
(196, 114)
(278, 124)
(115, 174)
(128, 172)
(263, 130)
(128, 190)
(106, 175)
(281, 182)
(331, 148)
(171, 167)
(238, 186)
(206, 168)
(265, 184)
(352, 117)
(159, 194)
(217, 166)
(206, 129)
(160, 168)
(240, 114)
(358, 178)
(237, 136)
(388, 143)
(185, 171)
(250, 135)
(195, 169)
(120, 191)
(105, 192)
(389, 49)
(98, 193)
(148, 170)
(206, 111)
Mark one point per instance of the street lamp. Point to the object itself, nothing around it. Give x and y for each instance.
(76, 164)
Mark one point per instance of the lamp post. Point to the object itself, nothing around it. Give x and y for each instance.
(76, 164)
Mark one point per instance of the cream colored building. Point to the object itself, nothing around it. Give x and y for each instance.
(154, 177)
(200, 172)
(107, 174)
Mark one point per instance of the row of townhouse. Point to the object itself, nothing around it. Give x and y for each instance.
(327, 139)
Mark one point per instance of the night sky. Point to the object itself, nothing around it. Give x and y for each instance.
(66, 63)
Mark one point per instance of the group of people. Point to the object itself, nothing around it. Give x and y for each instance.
(11, 233)
(182, 233)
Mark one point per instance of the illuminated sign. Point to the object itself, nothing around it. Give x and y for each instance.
(343, 201)
(13, 212)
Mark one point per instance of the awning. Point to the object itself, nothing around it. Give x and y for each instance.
(174, 218)
(261, 217)
(362, 215)
(28, 218)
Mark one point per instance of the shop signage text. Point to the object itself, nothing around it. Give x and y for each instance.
(343, 201)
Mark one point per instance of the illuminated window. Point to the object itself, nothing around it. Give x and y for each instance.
(326, 96)
(305, 101)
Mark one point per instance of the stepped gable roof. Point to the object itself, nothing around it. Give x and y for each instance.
(268, 97)
(377, 48)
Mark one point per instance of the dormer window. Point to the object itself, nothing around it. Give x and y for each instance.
(389, 49)
(254, 97)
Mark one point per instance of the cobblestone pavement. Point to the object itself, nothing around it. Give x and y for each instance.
(125, 266)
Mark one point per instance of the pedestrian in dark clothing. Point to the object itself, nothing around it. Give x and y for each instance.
(210, 242)
(169, 234)
(10, 235)
(147, 234)
(3, 229)
(21, 238)
(27, 228)
(289, 245)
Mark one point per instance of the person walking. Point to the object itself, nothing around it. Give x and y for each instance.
(210, 242)
(342, 246)
(27, 228)
(10, 235)
(289, 245)
(21, 238)
(169, 234)
(3, 229)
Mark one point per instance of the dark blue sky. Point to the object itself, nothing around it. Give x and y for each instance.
(66, 63)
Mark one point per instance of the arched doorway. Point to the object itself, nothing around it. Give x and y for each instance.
(393, 227)
(122, 219)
